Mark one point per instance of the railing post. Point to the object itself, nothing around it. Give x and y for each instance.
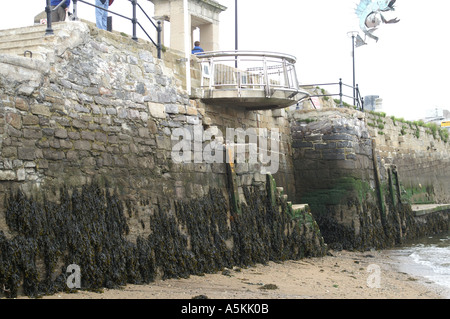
(134, 20)
(75, 10)
(159, 39)
(266, 77)
(357, 96)
(48, 10)
(340, 93)
(212, 71)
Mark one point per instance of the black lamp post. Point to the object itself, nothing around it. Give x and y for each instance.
(236, 46)
(357, 41)
(236, 25)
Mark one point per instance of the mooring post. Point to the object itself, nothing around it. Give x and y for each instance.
(232, 182)
(378, 184)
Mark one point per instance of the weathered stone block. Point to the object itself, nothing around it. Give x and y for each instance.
(61, 133)
(14, 119)
(79, 124)
(26, 153)
(14, 132)
(101, 137)
(39, 109)
(7, 175)
(74, 135)
(9, 151)
(333, 154)
(22, 104)
(157, 110)
(87, 135)
(172, 109)
(29, 119)
(66, 144)
(51, 154)
(345, 137)
(164, 142)
(21, 174)
(82, 145)
(32, 133)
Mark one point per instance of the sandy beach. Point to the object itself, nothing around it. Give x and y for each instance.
(340, 275)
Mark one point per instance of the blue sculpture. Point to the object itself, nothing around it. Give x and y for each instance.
(370, 15)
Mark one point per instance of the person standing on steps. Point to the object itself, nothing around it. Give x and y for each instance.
(101, 16)
(60, 13)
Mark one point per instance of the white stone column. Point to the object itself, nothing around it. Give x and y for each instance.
(209, 36)
(178, 31)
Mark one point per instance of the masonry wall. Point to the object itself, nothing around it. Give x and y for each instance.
(105, 106)
(360, 179)
(87, 169)
(421, 156)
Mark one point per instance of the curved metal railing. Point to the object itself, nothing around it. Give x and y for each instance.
(248, 70)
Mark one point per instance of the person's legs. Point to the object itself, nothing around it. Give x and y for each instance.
(58, 14)
(101, 16)
(62, 14)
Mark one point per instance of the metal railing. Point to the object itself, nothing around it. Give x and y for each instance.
(133, 19)
(248, 70)
(358, 100)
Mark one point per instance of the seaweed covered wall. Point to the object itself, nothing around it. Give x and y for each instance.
(90, 229)
(355, 181)
(88, 174)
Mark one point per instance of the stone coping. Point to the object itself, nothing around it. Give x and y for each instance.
(426, 209)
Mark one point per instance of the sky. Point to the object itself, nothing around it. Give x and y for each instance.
(408, 67)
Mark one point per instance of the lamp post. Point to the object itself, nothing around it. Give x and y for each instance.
(236, 42)
(357, 41)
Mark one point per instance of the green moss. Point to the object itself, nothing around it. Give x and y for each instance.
(419, 195)
(307, 121)
(338, 193)
(443, 134)
(378, 114)
(403, 130)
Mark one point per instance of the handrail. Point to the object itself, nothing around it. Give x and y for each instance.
(356, 98)
(248, 70)
(290, 58)
(134, 20)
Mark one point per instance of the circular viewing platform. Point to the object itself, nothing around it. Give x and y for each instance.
(250, 79)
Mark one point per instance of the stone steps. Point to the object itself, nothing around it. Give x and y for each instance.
(295, 207)
(31, 38)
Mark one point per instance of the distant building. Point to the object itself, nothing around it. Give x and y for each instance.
(373, 103)
(439, 116)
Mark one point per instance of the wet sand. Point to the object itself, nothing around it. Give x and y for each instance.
(341, 275)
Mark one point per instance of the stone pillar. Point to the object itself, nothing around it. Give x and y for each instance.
(209, 37)
(203, 14)
(177, 30)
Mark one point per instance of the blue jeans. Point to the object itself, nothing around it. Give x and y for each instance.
(101, 16)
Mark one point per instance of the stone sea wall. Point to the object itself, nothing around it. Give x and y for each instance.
(419, 152)
(358, 180)
(88, 175)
